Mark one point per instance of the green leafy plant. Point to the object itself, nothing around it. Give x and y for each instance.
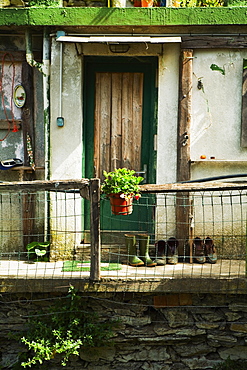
(200, 3)
(63, 331)
(122, 181)
(38, 251)
(44, 3)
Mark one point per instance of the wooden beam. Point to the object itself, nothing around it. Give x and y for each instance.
(184, 116)
(210, 42)
(183, 209)
(39, 185)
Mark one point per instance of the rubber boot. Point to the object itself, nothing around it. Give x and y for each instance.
(144, 249)
(130, 243)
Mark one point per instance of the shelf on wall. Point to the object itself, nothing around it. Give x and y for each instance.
(22, 169)
(5, 124)
(218, 161)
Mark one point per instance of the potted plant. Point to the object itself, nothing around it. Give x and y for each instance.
(121, 186)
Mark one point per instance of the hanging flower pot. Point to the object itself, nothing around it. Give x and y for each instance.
(121, 186)
(121, 205)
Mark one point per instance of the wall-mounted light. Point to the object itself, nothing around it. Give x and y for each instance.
(119, 48)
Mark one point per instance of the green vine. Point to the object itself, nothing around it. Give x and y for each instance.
(64, 330)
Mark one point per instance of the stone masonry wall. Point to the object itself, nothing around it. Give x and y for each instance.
(168, 332)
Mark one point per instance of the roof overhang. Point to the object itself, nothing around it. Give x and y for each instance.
(116, 39)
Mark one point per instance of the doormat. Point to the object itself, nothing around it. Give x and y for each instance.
(71, 266)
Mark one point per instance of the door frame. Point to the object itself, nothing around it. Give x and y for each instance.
(147, 65)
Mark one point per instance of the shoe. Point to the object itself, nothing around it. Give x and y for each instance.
(160, 247)
(172, 251)
(210, 250)
(199, 255)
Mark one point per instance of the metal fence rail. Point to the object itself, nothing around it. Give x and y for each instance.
(43, 238)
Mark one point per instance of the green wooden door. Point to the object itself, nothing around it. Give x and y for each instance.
(119, 129)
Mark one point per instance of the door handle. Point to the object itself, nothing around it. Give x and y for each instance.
(143, 173)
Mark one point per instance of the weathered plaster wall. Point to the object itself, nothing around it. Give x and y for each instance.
(66, 152)
(216, 113)
(168, 332)
(66, 141)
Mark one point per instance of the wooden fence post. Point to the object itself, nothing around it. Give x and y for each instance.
(94, 196)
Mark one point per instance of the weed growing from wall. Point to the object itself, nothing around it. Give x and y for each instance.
(229, 364)
(64, 330)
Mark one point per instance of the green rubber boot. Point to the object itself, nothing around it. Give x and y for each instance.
(130, 242)
(144, 248)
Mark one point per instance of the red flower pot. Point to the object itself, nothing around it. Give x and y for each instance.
(121, 206)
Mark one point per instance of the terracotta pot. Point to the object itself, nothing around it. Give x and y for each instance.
(120, 206)
(147, 3)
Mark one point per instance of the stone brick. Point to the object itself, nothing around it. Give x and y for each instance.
(239, 327)
(235, 353)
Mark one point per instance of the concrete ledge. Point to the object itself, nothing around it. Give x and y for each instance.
(111, 285)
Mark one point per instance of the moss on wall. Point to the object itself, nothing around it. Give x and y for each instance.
(122, 16)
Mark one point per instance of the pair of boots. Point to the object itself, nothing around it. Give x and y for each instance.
(204, 250)
(167, 251)
(131, 246)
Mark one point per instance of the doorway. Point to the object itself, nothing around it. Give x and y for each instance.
(119, 127)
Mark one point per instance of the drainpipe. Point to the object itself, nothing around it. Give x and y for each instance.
(29, 52)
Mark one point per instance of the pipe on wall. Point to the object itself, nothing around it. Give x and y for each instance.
(29, 53)
(46, 97)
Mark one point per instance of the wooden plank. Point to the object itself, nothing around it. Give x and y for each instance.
(97, 111)
(28, 200)
(38, 185)
(28, 217)
(102, 123)
(202, 42)
(244, 108)
(94, 192)
(127, 120)
(137, 120)
(5, 124)
(105, 123)
(27, 110)
(61, 185)
(183, 148)
(193, 186)
(116, 121)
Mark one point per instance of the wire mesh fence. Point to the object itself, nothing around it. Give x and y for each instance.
(179, 239)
